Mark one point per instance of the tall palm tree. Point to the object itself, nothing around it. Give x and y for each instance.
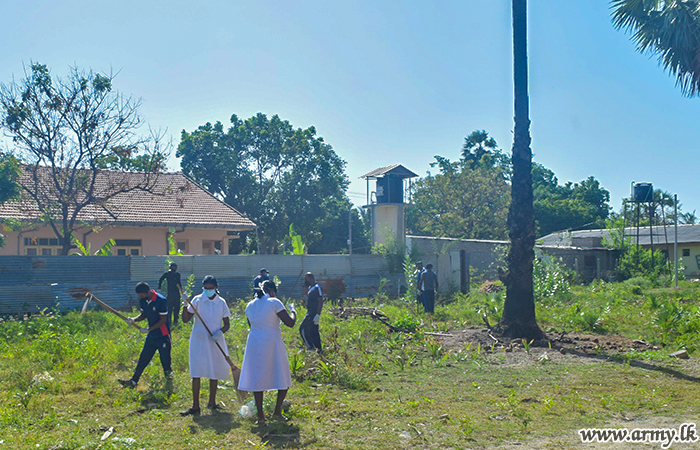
(518, 319)
(669, 29)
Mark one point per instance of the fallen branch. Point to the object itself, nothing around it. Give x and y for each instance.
(438, 334)
(372, 312)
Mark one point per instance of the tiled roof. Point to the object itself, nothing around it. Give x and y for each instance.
(395, 170)
(687, 234)
(173, 200)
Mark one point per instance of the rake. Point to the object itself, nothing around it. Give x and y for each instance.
(235, 370)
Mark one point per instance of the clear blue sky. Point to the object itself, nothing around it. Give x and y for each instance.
(383, 81)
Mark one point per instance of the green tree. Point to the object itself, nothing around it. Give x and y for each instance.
(274, 174)
(460, 202)
(63, 130)
(668, 29)
(572, 206)
(9, 174)
(9, 188)
(518, 319)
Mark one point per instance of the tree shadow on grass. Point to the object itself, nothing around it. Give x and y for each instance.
(639, 364)
(219, 422)
(280, 434)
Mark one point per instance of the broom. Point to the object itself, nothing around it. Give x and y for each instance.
(235, 370)
(91, 297)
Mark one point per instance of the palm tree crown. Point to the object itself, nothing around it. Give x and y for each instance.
(668, 28)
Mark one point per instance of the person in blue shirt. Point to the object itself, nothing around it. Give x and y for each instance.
(419, 272)
(154, 309)
(428, 286)
(259, 280)
(314, 304)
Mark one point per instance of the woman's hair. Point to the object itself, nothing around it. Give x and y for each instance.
(269, 284)
(210, 279)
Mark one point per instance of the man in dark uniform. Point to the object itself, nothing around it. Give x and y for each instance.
(429, 286)
(174, 291)
(419, 272)
(262, 277)
(154, 308)
(314, 304)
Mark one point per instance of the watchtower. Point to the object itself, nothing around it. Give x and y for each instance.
(387, 202)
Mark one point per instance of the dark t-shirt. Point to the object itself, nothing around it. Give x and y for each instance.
(428, 280)
(260, 279)
(153, 308)
(313, 299)
(173, 283)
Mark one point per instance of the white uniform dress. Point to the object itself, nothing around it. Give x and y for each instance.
(206, 360)
(265, 364)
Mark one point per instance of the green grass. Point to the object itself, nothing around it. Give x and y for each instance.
(371, 389)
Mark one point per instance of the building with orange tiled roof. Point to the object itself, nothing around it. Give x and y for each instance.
(138, 220)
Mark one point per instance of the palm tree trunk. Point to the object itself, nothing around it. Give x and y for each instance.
(518, 318)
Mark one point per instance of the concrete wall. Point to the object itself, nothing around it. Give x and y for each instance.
(31, 283)
(486, 256)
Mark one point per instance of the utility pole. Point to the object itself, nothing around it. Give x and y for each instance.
(675, 239)
(350, 231)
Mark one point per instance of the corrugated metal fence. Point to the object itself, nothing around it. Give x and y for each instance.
(32, 283)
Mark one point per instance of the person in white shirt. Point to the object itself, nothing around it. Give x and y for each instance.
(265, 364)
(206, 360)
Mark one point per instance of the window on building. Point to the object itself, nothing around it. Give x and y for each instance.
(182, 247)
(41, 246)
(127, 247)
(686, 252)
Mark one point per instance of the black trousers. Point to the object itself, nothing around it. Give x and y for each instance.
(309, 333)
(173, 308)
(429, 301)
(161, 344)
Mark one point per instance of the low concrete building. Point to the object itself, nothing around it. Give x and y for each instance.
(662, 239)
(139, 221)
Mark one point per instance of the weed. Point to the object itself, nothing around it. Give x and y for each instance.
(297, 362)
(547, 403)
(466, 426)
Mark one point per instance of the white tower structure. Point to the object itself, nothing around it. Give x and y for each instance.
(387, 202)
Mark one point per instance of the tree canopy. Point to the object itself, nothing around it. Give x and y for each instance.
(276, 175)
(469, 198)
(583, 205)
(9, 188)
(63, 131)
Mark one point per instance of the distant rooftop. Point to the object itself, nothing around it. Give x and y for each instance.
(396, 170)
(687, 234)
(174, 200)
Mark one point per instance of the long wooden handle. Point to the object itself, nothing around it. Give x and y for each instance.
(112, 310)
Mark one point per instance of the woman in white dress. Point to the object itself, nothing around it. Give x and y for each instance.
(265, 364)
(206, 360)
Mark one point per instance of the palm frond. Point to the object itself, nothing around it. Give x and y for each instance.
(669, 29)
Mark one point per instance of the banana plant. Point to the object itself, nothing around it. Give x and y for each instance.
(105, 250)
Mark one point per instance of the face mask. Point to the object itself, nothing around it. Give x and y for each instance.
(209, 292)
